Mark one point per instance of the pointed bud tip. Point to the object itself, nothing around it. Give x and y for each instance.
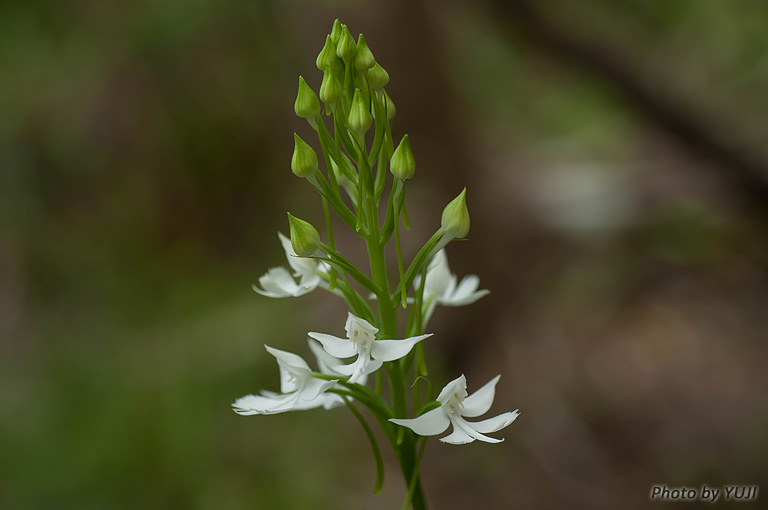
(307, 105)
(304, 237)
(360, 118)
(455, 219)
(304, 161)
(364, 59)
(378, 77)
(346, 47)
(403, 164)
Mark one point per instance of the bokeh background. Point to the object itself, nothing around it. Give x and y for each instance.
(616, 157)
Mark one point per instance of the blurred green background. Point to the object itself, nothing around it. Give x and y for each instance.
(615, 158)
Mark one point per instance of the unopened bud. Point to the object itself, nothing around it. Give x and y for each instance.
(359, 115)
(455, 220)
(304, 161)
(304, 237)
(389, 105)
(377, 77)
(327, 57)
(364, 59)
(331, 90)
(403, 165)
(307, 104)
(336, 31)
(346, 47)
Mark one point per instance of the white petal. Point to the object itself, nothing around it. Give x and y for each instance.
(458, 436)
(254, 404)
(390, 350)
(345, 370)
(314, 387)
(362, 367)
(291, 361)
(370, 367)
(450, 287)
(277, 283)
(302, 266)
(438, 275)
(467, 427)
(480, 401)
(466, 293)
(309, 282)
(337, 347)
(495, 423)
(456, 387)
(428, 424)
(356, 326)
(325, 361)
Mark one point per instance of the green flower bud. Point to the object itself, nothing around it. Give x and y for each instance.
(346, 47)
(304, 161)
(307, 104)
(390, 106)
(377, 76)
(455, 220)
(336, 31)
(364, 59)
(327, 57)
(304, 237)
(403, 165)
(359, 114)
(331, 90)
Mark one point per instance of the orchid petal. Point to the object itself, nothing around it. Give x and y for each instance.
(496, 423)
(314, 387)
(278, 283)
(363, 367)
(481, 400)
(338, 347)
(325, 361)
(460, 423)
(390, 350)
(255, 404)
(466, 293)
(302, 266)
(288, 359)
(456, 387)
(458, 436)
(428, 424)
(438, 275)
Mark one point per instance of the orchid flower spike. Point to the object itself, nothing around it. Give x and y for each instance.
(278, 282)
(455, 405)
(299, 390)
(441, 288)
(361, 342)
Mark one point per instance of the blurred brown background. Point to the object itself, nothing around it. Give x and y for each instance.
(617, 172)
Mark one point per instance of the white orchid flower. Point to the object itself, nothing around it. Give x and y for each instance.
(441, 288)
(279, 283)
(455, 405)
(361, 342)
(299, 390)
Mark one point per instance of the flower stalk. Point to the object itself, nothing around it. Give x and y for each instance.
(361, 112)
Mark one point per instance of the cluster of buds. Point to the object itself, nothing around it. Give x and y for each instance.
(352, 182)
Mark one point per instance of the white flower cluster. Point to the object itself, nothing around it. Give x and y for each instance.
(300, 389)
